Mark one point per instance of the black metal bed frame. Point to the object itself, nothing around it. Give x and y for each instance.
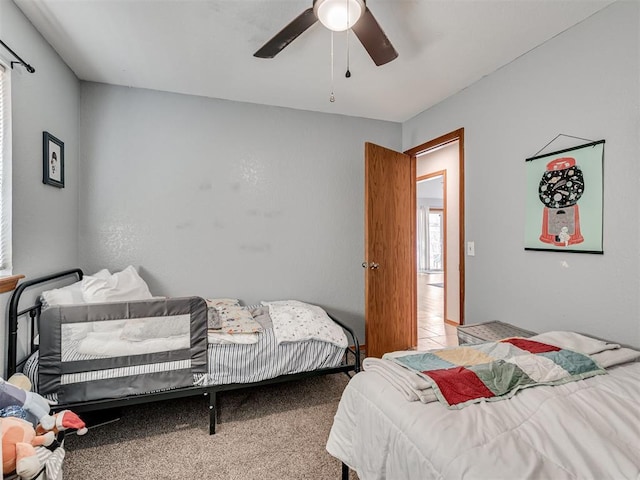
(208, 391)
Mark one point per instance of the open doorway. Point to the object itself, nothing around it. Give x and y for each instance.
(430, 237)
(430, 228)
(439, 210)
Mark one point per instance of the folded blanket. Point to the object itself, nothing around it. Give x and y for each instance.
(494, 371)
(613, 357)
(214, 321)
(575, 341)
(411, 385)
(237, 319)
(295, 321)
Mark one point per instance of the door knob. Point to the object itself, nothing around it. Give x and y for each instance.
(374, 266)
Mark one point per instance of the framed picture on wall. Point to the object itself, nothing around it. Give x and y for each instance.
(564, 200)
(52, 160)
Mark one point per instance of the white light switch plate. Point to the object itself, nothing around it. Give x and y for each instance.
(471, 248)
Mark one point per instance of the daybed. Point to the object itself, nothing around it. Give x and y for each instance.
(392, 422)
(103, 355)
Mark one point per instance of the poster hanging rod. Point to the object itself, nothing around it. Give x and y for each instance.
(557, 137)
(20, 61)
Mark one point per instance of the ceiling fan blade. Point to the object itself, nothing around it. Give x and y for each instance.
(373, 39)
(287, 35)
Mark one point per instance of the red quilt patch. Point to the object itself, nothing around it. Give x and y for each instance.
(531, 346)
(459, 384)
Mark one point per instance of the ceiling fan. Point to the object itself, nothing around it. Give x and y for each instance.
(336, 15)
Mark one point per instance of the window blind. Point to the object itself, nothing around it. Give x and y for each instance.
(5, 173)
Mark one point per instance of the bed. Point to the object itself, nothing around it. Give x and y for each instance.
(103, 355)
(587, 428)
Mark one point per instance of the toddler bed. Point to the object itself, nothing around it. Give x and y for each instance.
(117, 352)
(580, 420)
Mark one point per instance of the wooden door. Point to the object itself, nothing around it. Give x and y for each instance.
(390, 253)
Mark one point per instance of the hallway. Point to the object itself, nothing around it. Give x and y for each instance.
(432, 331)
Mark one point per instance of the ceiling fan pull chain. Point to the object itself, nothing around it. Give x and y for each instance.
(348, 73)
(332, 97)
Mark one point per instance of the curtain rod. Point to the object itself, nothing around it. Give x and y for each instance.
(20, 61)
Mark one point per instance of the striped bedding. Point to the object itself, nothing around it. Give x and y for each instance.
(247, 363)
(226, 363)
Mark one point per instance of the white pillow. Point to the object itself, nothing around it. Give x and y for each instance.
(71, 294)
(120, 287)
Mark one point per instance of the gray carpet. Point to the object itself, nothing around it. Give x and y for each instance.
(271, 432)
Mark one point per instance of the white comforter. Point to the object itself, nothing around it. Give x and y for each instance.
(589, 429)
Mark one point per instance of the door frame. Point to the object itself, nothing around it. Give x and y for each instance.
(456, 135)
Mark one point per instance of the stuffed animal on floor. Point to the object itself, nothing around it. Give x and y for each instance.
(18, 441)
(65, 420)
(35, 405)
(20, 380)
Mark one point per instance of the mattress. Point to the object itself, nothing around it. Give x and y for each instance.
(586, 429)
(226, 363)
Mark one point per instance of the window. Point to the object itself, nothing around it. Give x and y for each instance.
(5, 172)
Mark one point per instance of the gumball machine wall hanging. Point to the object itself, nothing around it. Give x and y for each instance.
(560, 188)
(564, 199)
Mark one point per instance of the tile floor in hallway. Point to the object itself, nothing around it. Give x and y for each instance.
(432, 331)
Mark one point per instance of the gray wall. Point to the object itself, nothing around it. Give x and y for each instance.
(218, 198)
(45, 219)
(585, 83)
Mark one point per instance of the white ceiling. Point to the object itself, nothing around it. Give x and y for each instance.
(205, 47)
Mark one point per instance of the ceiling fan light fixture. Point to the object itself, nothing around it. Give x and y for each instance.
(338, 15)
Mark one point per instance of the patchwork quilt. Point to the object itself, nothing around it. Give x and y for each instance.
(496, 370)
